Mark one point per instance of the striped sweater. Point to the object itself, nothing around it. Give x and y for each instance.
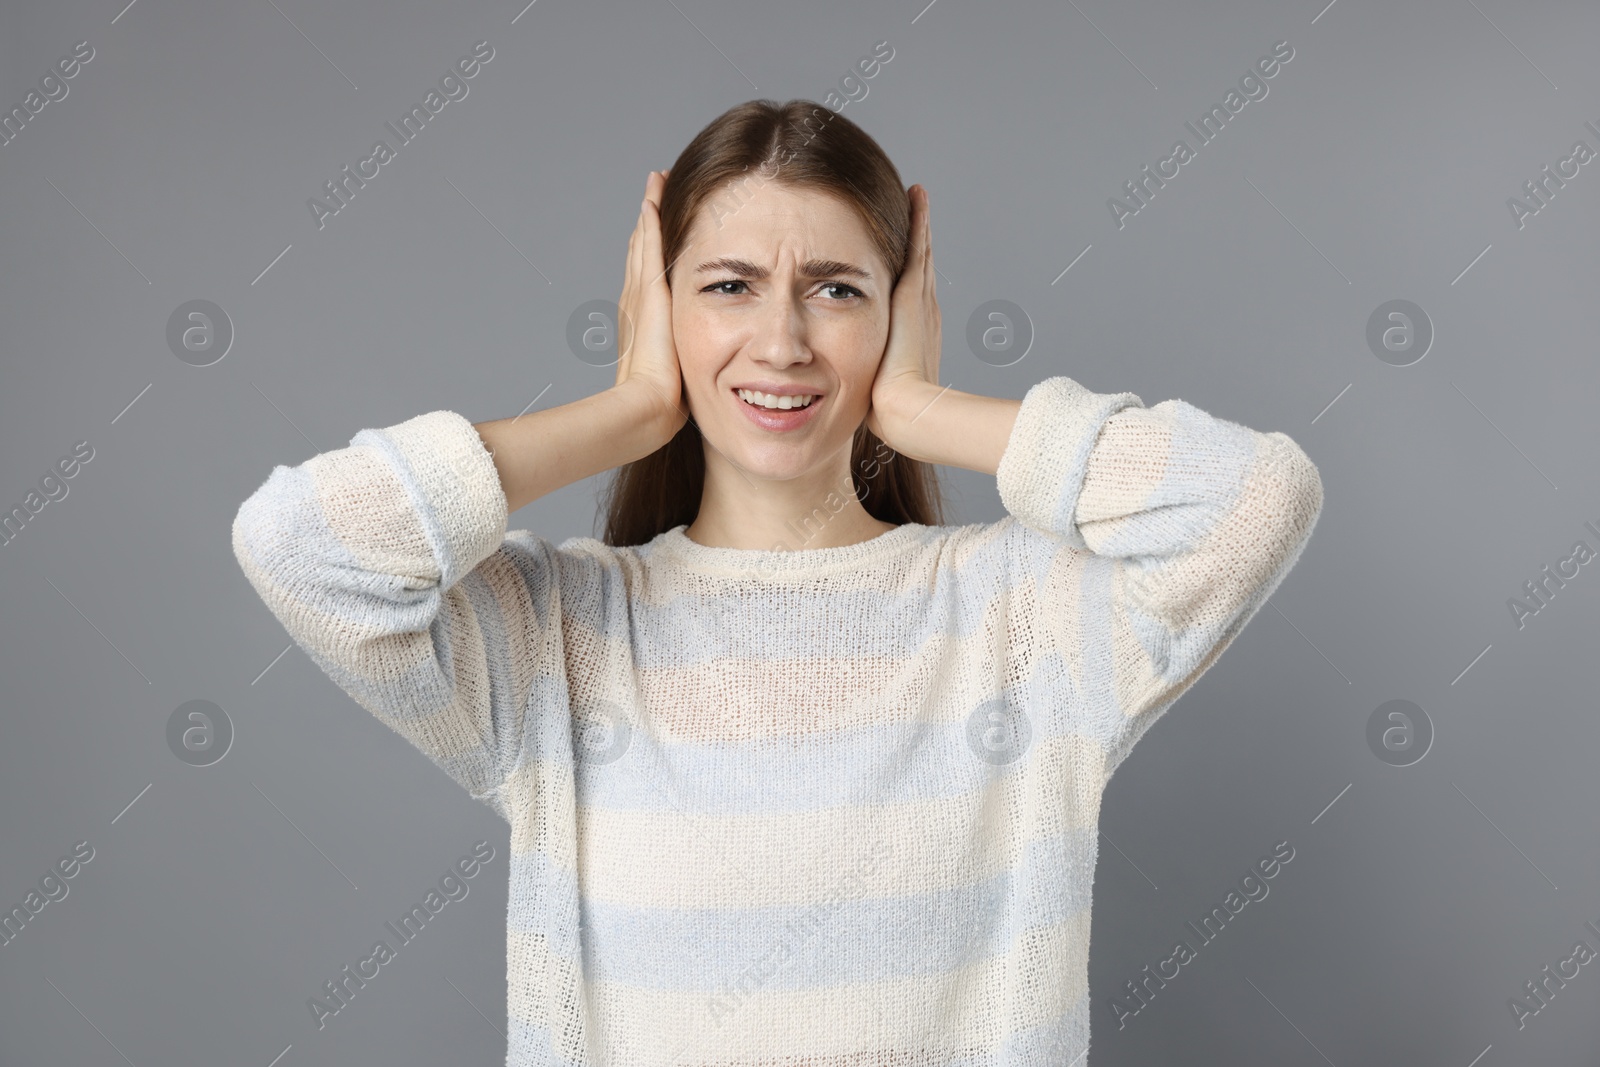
(829, 807)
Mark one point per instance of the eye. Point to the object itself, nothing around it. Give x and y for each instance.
(848, 290)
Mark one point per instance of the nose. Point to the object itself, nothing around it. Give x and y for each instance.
(779, 339)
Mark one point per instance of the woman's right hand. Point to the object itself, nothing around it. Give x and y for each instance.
(647, 358)
(538, 452)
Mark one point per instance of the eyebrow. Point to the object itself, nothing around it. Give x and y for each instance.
(811, 268)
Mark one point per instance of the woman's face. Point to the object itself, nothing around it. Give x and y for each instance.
(782, 293)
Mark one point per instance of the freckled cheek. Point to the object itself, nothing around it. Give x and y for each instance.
(695, 344)
(859, 352)
(703, 353)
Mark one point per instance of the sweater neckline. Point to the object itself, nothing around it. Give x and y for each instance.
(758, 562)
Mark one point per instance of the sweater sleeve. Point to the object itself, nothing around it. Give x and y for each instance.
(1163, 530)
(386, 562)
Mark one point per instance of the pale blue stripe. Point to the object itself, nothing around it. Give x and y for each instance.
(870, 765)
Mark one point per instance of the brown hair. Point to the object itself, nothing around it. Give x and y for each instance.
(787, 143)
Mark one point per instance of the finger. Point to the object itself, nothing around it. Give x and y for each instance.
(919, 231)
(657, 187)
(637, 251)
(640, 280)
(920, 219)
(652, 241)
(628, 310)
(909, 275)
(931, 278)
(655, 253)
(633, 246)
(623, 302)
(637, 235)
(656, 261)
(927, 225)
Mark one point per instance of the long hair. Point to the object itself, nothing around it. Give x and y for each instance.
(801, 145)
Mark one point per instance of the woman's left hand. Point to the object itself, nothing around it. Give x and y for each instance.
(911, 357)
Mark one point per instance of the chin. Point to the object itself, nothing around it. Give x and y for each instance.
(769, 460)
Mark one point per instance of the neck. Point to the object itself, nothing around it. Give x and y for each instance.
(819, 509)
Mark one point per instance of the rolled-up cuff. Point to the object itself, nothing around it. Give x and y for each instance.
(1042, 469)
(452, 482)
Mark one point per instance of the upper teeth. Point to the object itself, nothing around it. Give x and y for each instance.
(770, 400)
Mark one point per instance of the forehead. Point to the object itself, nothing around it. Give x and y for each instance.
(771, 221)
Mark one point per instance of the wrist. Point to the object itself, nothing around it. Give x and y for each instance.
(898, 407)
(655, 418)
(940, 425)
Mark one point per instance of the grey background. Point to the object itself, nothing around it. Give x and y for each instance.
(178, 168)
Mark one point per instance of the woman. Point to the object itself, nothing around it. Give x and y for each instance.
(794, 773)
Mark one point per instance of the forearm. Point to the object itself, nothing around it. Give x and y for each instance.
(538, 453)
(945, 426)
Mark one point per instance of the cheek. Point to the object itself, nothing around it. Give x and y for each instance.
(697, 346)
(861, 350)
(686, 331)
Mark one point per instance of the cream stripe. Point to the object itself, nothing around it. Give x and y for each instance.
(666, 583)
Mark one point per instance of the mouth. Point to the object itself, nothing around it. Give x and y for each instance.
(777, 412)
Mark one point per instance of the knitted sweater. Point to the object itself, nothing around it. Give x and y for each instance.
(831, 807)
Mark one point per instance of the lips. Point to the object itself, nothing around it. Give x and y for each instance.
(778, 419)
(775, 401)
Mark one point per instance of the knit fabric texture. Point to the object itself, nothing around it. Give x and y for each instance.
(828, 807)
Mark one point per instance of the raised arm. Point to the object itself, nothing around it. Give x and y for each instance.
(389, 562)
(1167, 528)
(537, 453)
(546, 450)
(1161, 531)
(382, 562)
